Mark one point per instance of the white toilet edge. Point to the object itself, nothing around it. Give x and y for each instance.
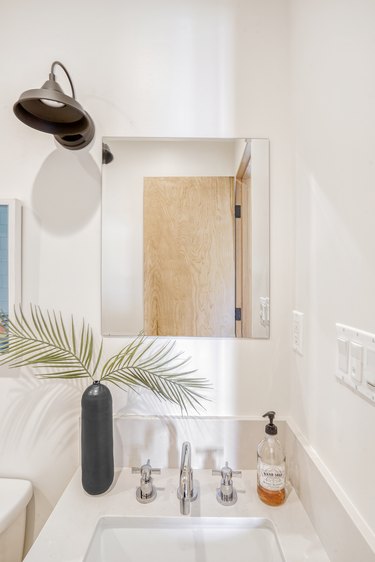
(15, 494)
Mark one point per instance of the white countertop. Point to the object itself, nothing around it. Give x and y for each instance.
(67, 533)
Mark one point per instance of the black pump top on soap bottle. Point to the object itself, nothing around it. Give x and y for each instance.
(271, 428)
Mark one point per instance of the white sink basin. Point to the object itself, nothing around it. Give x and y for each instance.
(186, 539)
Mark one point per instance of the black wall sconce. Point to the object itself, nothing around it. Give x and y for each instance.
(49, 110)
(107, 155)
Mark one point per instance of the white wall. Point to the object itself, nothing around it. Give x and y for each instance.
(334, 98)
(188, 68)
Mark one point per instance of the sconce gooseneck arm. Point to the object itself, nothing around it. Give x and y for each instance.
(52, 75)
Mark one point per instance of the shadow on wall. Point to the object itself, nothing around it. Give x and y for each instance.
(40, 411)
(39, 439)
(66, 191)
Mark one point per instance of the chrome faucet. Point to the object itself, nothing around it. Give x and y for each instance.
(186, 492)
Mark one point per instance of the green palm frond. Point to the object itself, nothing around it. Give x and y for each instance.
(43, 342)
(139, 364)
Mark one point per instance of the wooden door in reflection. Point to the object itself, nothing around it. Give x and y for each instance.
(189, 256)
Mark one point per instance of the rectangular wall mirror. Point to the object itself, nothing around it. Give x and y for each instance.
(185, 237)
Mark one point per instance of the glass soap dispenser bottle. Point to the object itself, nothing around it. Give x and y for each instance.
(271, 466)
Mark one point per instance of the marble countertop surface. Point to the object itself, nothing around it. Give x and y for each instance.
(68, 531)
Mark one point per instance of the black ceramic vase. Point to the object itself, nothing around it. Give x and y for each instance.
(97, 439)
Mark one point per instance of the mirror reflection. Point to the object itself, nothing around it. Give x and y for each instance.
(185, 237)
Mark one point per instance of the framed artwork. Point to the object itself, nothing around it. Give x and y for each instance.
(10, 255)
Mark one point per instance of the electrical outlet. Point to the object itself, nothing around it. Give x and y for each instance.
(298, 331)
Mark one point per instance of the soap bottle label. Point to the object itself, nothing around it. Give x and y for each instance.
(271, 476)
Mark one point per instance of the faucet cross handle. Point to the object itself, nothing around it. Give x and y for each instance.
(226, 493)
(146, 492)
(226, 473)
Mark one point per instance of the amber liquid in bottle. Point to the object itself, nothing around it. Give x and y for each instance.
(271, 471)
(271, 466)
(271, 497)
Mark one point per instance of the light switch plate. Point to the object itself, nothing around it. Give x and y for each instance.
(360, 375)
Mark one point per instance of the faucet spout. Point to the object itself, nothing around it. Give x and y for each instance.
(186, 492)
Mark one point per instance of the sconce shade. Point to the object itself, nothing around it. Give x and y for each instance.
(107, 156)
(49, 110)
